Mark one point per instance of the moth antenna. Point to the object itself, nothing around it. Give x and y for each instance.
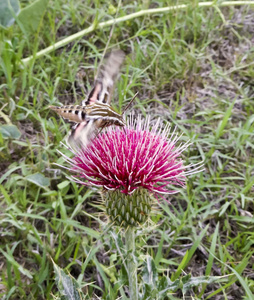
(128, 105)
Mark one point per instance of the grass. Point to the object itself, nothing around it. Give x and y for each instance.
(193, 68)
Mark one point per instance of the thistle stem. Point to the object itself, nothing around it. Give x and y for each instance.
(131, 264)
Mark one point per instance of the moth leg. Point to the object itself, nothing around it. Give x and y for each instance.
(105, 125)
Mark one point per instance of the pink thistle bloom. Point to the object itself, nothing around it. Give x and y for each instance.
(136, 157)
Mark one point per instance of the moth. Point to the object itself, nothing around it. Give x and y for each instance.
(95, 112)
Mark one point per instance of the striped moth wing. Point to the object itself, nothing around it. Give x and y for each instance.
(101, 94)
(95, 111)
(104, 81)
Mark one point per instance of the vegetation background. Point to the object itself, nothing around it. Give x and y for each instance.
(193, 68)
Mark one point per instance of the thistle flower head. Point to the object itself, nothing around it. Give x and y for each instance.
(134, 159)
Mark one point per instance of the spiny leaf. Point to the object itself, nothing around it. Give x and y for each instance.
(150, 275)
(67, 286)
(190, 282)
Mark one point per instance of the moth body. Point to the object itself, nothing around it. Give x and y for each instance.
(95, 112)
(73, 113)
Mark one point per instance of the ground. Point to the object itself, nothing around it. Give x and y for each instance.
(193, 68)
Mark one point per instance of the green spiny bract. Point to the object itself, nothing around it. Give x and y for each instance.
(128, 210)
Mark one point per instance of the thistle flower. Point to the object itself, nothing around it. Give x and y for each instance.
(131, 166)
